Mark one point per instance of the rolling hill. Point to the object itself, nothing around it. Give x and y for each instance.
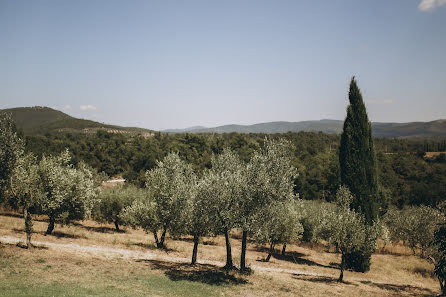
(398, 130)
(41, 120)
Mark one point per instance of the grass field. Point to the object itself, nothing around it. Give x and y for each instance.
(89, 259)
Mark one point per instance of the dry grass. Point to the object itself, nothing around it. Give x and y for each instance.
(394, 272)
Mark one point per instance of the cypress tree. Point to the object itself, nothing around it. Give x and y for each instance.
(358, 167)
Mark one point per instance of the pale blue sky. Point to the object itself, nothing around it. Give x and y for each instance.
(174, 64)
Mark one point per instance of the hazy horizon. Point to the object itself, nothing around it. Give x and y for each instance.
(174, 64)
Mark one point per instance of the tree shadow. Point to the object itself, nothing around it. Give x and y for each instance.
(24, 246)
(190, 239)
(102, 229)
(297, 258)
(203, 273)
(321, 279)
(60, 234)
(411, 290)
(152, 246)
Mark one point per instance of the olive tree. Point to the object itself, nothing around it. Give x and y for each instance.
(350, 232)
(26, 190)
(279, 223)
(225, 182)
(69, 191)
(11, 149)
(112, 201)
(269, 180)
(165, 208)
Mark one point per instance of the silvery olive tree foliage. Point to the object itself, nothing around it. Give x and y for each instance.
(279, 223)
(112, 201)
(169, 191)
(26, 190)
(11, 149)
(69, 191)
(318, 220)
(414, 226)
(269, 180)
(225, 183)
(350, 231)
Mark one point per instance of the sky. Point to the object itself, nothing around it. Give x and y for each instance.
(175, 64)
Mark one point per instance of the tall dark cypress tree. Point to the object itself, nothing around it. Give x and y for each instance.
(358, 167)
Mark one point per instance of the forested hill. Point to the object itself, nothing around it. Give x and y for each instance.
(41, 120)
(413, 129)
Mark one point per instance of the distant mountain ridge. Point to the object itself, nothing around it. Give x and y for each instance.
(391, 130)
(41, 120)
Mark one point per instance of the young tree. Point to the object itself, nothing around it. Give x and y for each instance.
(112, 201)
(69, 191)
(279, 223)
(26, 190)
(358, 167)
(269, 180)
(350, 232)
(169, 184)
(11, 149)
(225, 181)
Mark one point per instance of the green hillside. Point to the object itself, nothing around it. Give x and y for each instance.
(41, 120)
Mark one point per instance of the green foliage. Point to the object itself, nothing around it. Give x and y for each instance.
(357, 156)
(415, 226)
(112, 201)
(318, 221)
(69, 191)
(351, 234)
(11, 148)
(440, 262)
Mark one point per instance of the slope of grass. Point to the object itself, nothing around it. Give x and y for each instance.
(56, 271)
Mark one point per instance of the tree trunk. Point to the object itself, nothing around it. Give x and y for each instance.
(271, 249)
(284, 249)
(28, 227)
(229, 264)
(155, 235)
(341, 276)
(50, 225)
(243, 255)
(194, 252)
(163, 236)
(117, 225)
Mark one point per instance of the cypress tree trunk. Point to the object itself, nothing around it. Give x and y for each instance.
(229, 264)
(243, 255)
(284, 249)
(28, 227)
(195, 251)
(50, 228)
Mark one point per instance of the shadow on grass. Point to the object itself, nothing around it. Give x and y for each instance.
(37, 247)
(190, 239)
(203, 273)
(321, 279)
(408, 289)
(295, 257)
(59, 234)
(152, 246)
(102, 229)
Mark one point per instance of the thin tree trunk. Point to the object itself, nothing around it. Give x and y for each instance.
(229, 264)
(156, 239)
(243, 255)
(284, 249)
(50, 228)
(341, 276)
(28, 227)
(163, 236)
(271, 249)
(195, 251)
(117, 225)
